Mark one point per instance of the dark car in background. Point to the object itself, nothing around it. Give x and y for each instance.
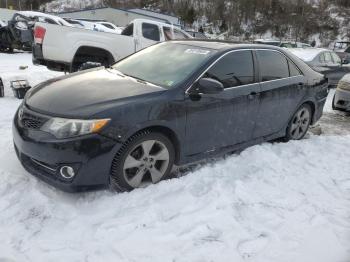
(126, 126)
(323, 61)
(342, 48)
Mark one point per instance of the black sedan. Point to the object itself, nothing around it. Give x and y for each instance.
(172, 103)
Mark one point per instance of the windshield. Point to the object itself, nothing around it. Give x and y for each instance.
(166, 64)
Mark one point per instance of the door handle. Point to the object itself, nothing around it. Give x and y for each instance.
(253, 95)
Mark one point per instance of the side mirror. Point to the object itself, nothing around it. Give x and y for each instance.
(209, 86)
(345, 61)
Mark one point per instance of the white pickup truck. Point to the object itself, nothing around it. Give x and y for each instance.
(70, 49)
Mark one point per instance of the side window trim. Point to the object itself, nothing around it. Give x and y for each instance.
(239, 86)
(286, 57)
(256, 68)
(217, 60)
(291, 62)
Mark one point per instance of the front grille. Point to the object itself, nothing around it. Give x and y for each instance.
(31, 121)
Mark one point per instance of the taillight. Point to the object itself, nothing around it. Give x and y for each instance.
(39, 34)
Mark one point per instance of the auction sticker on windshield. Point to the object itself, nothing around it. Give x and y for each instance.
(197, 51)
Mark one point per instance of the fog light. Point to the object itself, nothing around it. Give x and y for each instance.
(67, 172)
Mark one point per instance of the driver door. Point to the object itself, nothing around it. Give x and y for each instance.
(219, 120)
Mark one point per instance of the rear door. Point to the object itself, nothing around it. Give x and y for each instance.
(282, 89)
(228, 118)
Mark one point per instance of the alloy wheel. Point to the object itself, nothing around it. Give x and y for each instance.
(146, 163)
(300, 123)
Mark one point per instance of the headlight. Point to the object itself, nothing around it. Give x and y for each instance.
(344, 85)
(65, 128)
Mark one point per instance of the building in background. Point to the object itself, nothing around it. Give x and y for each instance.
(119, 17)
(172, 19)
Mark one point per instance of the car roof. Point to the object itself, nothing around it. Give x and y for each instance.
(225, 45)
(307, 54)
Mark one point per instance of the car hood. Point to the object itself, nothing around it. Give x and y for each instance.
(86, 93)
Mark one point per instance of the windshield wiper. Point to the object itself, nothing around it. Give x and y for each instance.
(138, 79)
(117, 72)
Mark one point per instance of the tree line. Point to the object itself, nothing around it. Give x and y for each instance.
(299, 20)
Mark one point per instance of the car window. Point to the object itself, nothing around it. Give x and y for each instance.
(321, 58)
(328, 58)
(288, 45)
(273, 65)
(180, 63)
(168, 35)
(234, 69)
(129, 30)
(336, 58)
(108, 26)
(50, 21)
(179, 35)
(293, 69)
(150, 31)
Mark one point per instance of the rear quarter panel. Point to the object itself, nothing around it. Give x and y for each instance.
(62, 42)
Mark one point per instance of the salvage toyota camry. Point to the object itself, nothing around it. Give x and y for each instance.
(171, 104)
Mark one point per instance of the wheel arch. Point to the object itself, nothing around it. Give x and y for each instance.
(168, 132)
(92, 51)
(313, 109)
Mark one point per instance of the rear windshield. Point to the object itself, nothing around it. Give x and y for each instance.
(165, 64)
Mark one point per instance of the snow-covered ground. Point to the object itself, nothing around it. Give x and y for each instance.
(275, 202)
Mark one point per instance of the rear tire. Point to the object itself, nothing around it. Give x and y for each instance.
(299, 123)
(88, 65)
(146, 158)
(2, 89)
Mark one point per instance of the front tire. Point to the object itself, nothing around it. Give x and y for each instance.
(333, 103)
(88, 65)
(300, 123)
(144, 159)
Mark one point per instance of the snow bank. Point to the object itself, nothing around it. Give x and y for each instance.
(9, 70)
(272, 202)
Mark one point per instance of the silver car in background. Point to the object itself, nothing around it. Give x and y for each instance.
(341, 99)
(323, 61)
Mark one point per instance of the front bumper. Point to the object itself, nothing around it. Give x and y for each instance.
(42, 155)
(342, 99)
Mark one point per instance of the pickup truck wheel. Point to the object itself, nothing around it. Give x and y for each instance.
(88, 65)
(146, 158)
